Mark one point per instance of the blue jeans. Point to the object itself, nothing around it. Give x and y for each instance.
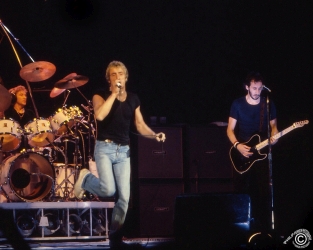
(113, 165)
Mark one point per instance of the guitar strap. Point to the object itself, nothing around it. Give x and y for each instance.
(262, 114)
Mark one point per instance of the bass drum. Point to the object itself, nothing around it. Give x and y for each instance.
(27, 176)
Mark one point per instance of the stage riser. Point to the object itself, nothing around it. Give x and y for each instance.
(58, 220)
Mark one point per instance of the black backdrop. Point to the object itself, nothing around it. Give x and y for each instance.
(187, 61)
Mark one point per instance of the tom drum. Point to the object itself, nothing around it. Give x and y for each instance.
(11, 132)
(39, 132)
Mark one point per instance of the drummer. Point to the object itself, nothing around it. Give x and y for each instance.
(18, 111)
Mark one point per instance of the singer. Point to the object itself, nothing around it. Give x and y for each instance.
(248, 116)
(114, 110)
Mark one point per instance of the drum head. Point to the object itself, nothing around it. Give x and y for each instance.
(41, 139)
(31, 176)
(10, 134)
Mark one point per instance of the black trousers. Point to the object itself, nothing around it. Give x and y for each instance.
(255, 183)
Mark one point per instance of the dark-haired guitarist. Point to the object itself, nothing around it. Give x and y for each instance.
(248, 116)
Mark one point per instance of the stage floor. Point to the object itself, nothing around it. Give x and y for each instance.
(141, 243)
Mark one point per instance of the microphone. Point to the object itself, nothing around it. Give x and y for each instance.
(267, 88)
(119, 85)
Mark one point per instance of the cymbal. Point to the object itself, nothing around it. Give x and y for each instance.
(37, 71)
(5, 98)
(55, 92)
(71, 81)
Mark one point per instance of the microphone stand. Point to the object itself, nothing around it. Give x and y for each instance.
(270, 166)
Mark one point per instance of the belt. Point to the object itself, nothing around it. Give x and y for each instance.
(110, 141)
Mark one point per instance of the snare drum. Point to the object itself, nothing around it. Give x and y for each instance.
(39, 132)
(11, 132)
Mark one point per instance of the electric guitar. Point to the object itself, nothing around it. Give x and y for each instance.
(243, 164)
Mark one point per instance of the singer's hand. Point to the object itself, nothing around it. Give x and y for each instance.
(116, 87)
(160, 137)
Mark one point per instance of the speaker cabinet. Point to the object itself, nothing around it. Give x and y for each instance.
(161, 160)
(201, 186)
(157, 208)
(208, 152)
(211, 220)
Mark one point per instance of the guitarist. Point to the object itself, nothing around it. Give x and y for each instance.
(248, 116)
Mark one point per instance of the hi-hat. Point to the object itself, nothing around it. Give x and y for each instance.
(71, 81)
(55, 92)
(5, 98)
(37, 71)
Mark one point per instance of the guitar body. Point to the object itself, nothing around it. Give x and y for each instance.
(243, 164)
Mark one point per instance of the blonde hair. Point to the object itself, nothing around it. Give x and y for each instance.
(115, 64)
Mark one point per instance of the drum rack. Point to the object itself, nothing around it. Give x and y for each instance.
(39, 212)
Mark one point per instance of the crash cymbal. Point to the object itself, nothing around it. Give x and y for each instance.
(37, 71)
(71, 81)
(5, 98)
(55, 92)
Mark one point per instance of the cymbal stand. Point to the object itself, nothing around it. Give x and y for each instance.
(1, 153)
(68, 94)
(77, 155)
(90, 128)
(6, 31)
(89, 109)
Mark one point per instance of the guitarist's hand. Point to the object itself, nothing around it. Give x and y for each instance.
(244, 150)
(273, 140)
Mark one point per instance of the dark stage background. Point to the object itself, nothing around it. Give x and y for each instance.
(187, 61)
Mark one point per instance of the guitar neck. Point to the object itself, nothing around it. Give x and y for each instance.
(277, 136)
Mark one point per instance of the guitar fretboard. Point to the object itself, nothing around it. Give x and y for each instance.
(282, 133)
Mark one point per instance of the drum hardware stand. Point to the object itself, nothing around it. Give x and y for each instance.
(1, 153)
(89, 108)
(66, 179)
(77, 155)
(90, 128)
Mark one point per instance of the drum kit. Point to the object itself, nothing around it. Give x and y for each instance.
(36, 173)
